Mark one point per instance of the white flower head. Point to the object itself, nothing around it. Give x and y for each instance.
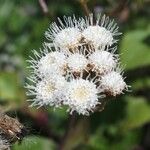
(113, 83)
(102, 61)
(77, 62)
(52, 63)
(81, 96)
(48, 91)
(67, 34)
(77, 65)
(68, 38)
(46, 61)
(98, 36)
(101, 32)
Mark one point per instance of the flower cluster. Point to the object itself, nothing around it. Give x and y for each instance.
(78, 66)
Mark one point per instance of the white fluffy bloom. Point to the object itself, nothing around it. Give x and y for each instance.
(48, 91)
(67, 34)
(52, 63)
(98, 36)
(81, 96)
(113, 83)
(102, 61)
(68, 38)
(76, 65)
(77, 62)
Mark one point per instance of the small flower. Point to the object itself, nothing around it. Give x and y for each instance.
(65, 35)
(82, 96)
(113, 83)
(68, 38)
(102, 61)
(53, 62)
(77, 62)
(48, 91)
(98, 36)
(100, 33)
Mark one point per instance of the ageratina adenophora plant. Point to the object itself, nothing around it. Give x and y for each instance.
(78, 67)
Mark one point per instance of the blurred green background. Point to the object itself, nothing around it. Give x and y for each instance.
(124, 124)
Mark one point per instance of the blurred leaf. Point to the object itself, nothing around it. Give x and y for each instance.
(127, 142)
(137, 113)
(98, 141)
(17, 21)
(6, 8)
(10, 88)
(76, 135)
(58, 119)
(140, 83)
(3, 38)
(101, 141)
(135, 51)
(35, 143)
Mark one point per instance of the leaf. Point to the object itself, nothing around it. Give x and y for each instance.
(17, 22)
(34, 143)
(137, 113)
(140, 83)
(3, 38)
(101, 141)
(76, 135)
(10, 87)
(134, 51)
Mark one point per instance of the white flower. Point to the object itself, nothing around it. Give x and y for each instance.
(100, 32)
(113, 83)
(77, 65)
(46, 61)
(65, 35)
(102, 61)
(48, 91)
(68, 38)
(98, 36)
(77, 62)
(81, 96)
(52, 63)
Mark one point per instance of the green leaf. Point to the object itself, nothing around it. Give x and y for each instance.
(17, 22)
(76, 135)
(134, 51)
(127, 142)
(137, 113)
(10, 87)
(140, 83)
(101, 141)
(3, 38)
(97, 141)
(34, 143)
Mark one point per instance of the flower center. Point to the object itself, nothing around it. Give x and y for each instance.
(51, 60)
(50, 88)
(80, 93)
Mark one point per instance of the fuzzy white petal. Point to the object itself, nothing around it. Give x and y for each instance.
(98, 36)
(52, 63)
(102, 61)
(113, 83)
(48, 91)
(81, 96)
(77, 62)
(67, 38)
